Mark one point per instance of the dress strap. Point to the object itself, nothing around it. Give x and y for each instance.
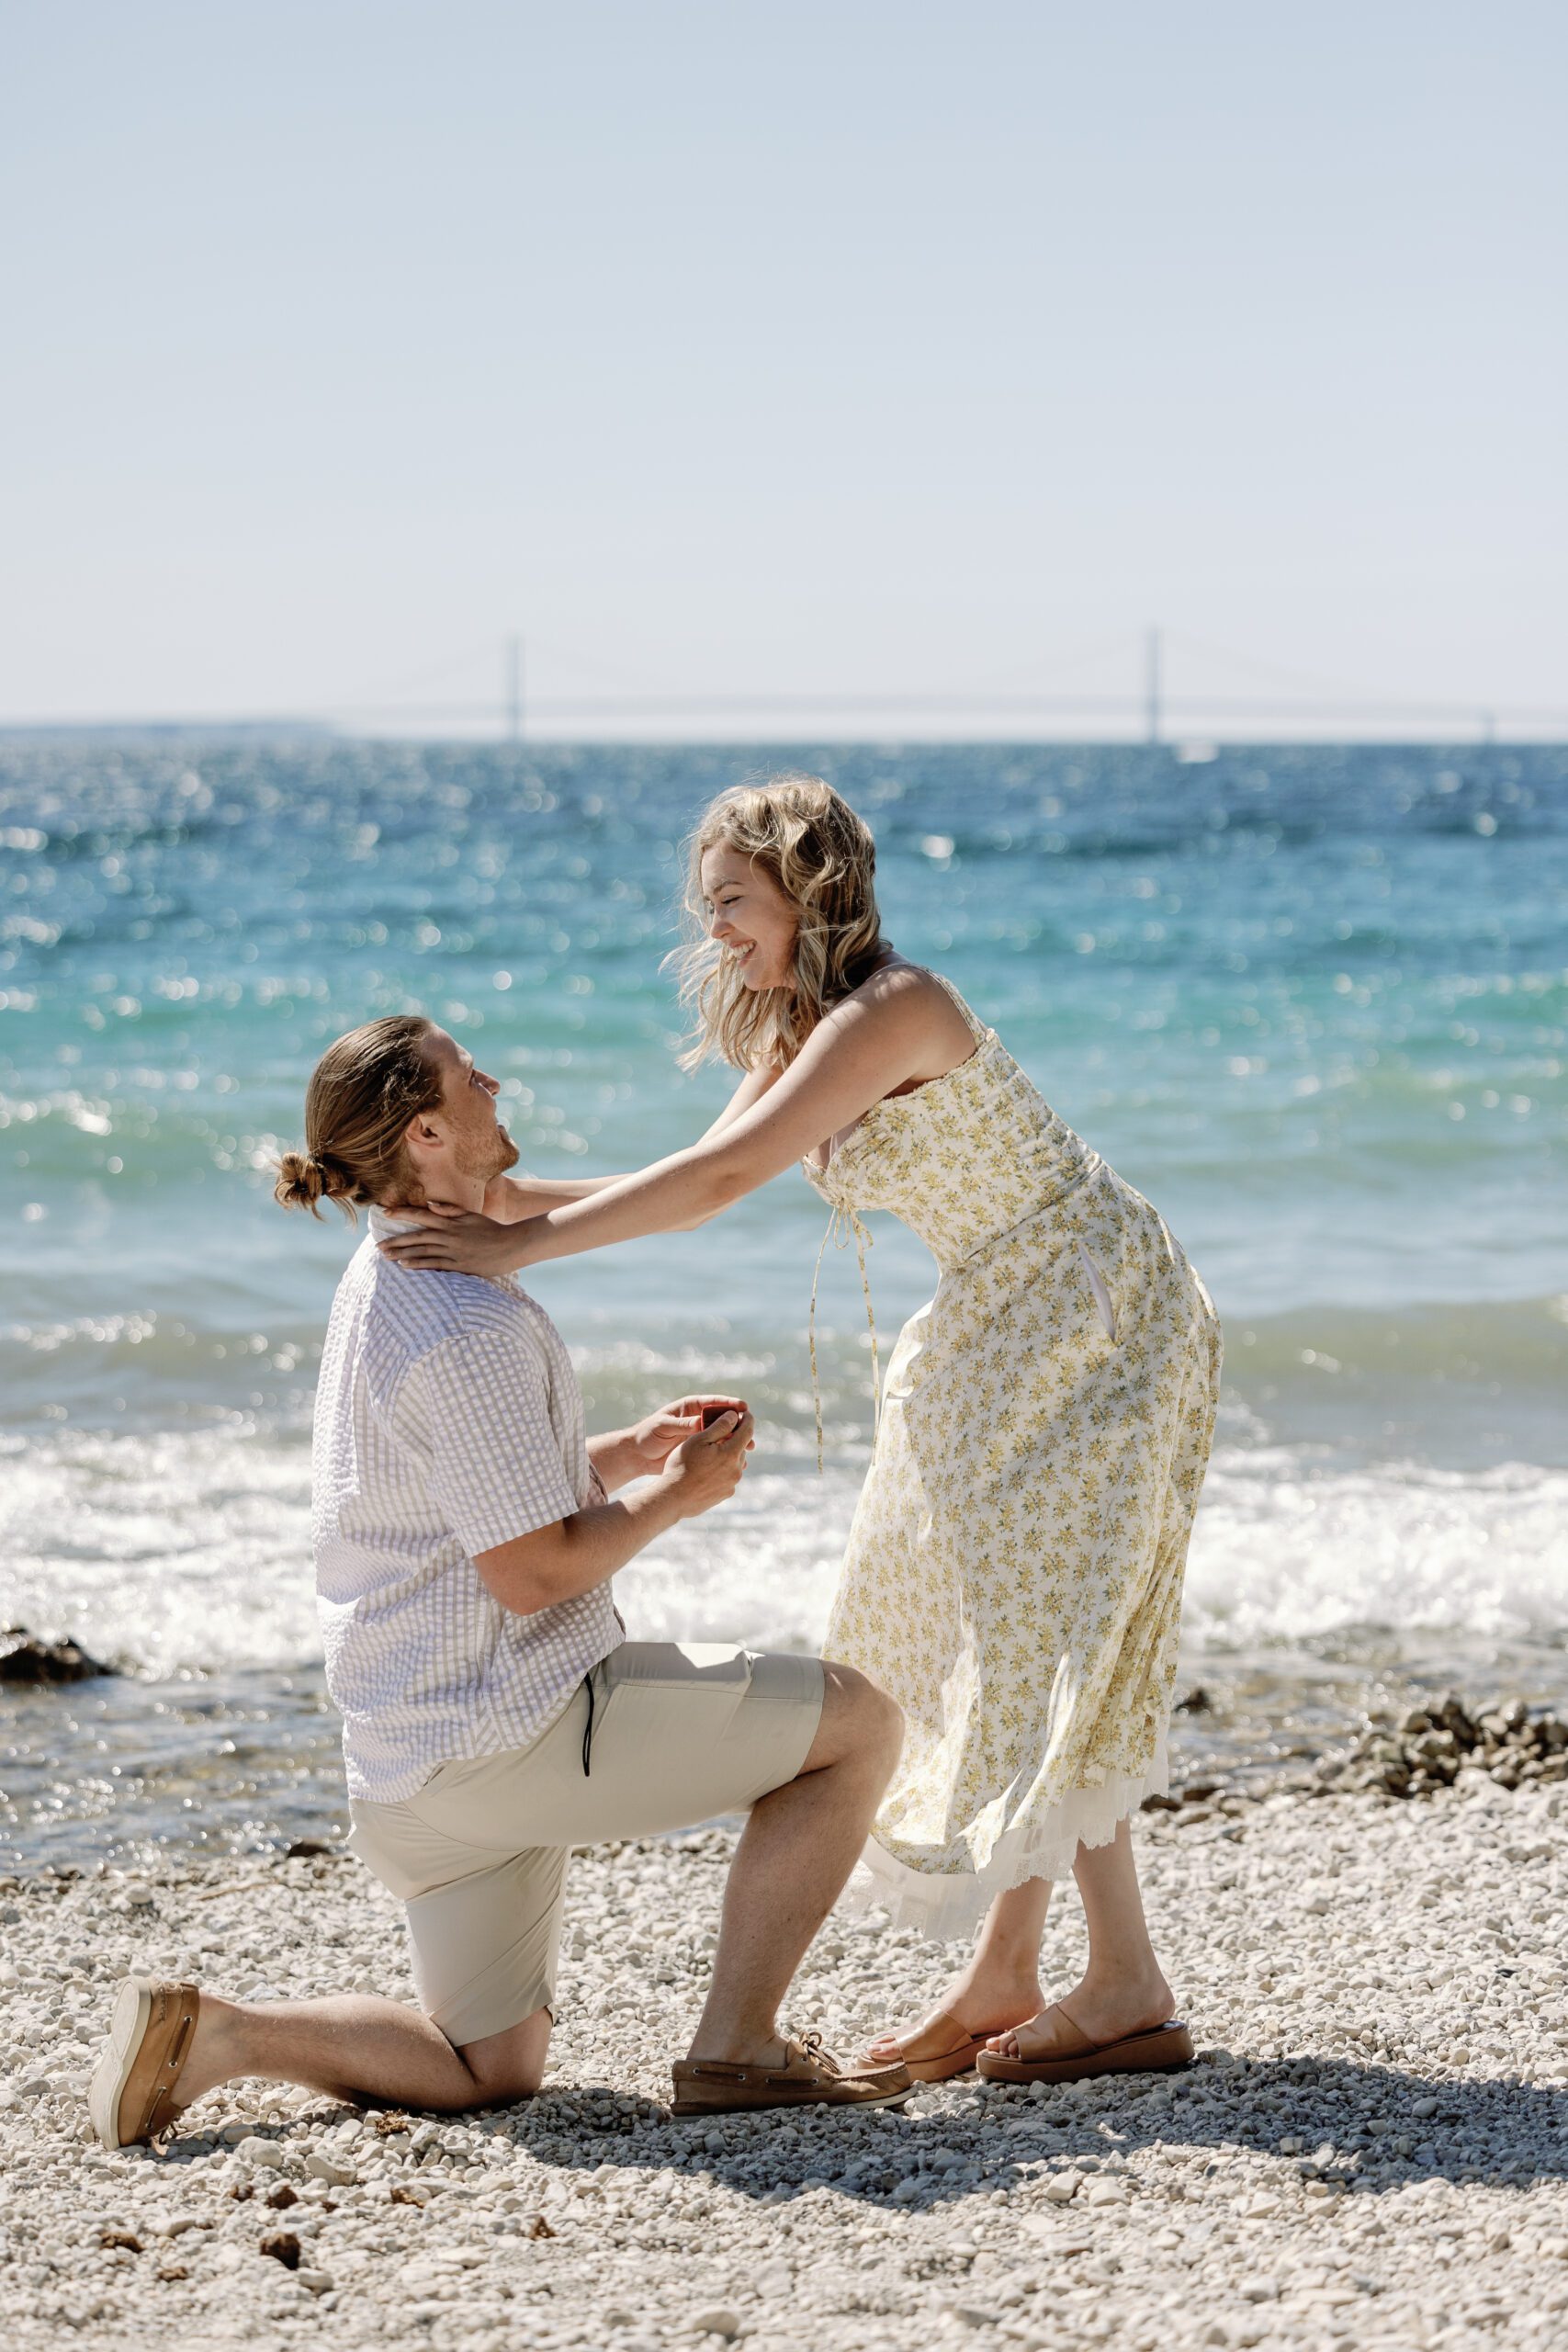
(842, 1227)
(977, 1028)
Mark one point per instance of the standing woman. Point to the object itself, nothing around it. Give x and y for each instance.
(1014, 1569)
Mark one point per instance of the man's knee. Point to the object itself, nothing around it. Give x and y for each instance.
(510, 2065)
(860, 1715)
(508, 2084)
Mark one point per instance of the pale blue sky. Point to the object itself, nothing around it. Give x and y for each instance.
(808, 349)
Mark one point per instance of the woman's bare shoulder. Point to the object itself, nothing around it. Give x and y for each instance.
(899, 982)
(911, 1013)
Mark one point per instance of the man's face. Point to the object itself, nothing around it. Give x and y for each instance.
(462, 1137)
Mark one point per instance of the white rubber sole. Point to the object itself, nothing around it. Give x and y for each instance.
(128, 2026)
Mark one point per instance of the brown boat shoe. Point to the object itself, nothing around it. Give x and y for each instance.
(807, 2076)
(151, 2031)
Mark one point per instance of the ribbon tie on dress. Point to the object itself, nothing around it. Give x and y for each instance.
(843, 1226)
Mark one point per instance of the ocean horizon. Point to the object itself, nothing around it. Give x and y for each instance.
(1310, 998)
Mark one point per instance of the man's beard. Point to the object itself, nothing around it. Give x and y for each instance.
(484, 1163)
(480, 1162)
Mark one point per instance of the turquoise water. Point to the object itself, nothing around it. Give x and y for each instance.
(1310, 999)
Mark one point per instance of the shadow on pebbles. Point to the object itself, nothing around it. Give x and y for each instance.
(1372, 2150)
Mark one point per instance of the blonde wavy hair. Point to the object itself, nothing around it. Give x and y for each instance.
(812, 847)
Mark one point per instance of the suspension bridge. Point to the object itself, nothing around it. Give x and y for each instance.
(1146, 707)
(1165, 692)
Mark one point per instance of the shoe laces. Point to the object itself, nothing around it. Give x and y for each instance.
(811, 2044)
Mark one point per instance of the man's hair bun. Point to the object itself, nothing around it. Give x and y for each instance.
(303, 1180)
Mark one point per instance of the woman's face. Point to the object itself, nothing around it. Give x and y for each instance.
(750, 917)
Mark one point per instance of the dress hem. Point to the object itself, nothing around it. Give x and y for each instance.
(946, 1904)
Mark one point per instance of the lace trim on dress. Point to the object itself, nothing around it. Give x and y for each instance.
(946, 1904)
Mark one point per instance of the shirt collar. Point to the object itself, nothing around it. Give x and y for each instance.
(381, 1225)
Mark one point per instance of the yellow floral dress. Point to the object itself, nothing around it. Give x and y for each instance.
(1015, 1563)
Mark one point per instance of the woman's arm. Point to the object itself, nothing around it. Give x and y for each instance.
(509, 1199)
(751, 1090)
(900, 1028)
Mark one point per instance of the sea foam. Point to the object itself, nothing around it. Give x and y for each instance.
(189, 1551)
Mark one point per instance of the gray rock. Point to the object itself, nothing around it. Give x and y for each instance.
(25, 1659)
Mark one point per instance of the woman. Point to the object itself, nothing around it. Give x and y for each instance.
(1014, 1567)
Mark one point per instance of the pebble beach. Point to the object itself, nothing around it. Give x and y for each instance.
(1371, 2150)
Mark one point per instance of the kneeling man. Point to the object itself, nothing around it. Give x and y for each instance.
(494, 1713)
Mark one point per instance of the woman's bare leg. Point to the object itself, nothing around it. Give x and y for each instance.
(999, 1986)
(1123, 1989)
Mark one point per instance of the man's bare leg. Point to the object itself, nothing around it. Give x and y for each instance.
(799, 1848)
(355, 2046)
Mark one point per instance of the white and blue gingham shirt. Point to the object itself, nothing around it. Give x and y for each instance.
(448, 1419)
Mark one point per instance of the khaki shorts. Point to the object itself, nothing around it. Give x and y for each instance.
(681, 1731)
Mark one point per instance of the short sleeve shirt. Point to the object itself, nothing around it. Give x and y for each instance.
(448, 1421)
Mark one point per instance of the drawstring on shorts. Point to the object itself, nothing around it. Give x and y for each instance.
(588, 1728)
(842, 1227)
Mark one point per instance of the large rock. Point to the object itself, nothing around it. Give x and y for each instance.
(24, 1657)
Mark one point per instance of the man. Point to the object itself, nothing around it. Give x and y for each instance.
(494, 1713)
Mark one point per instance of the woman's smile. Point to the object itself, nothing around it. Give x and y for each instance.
(760, 957)
(750, 958)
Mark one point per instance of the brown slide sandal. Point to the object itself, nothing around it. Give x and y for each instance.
(150, 2035)
(807, 2077)
(1154, 2050)
(940, 2065)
